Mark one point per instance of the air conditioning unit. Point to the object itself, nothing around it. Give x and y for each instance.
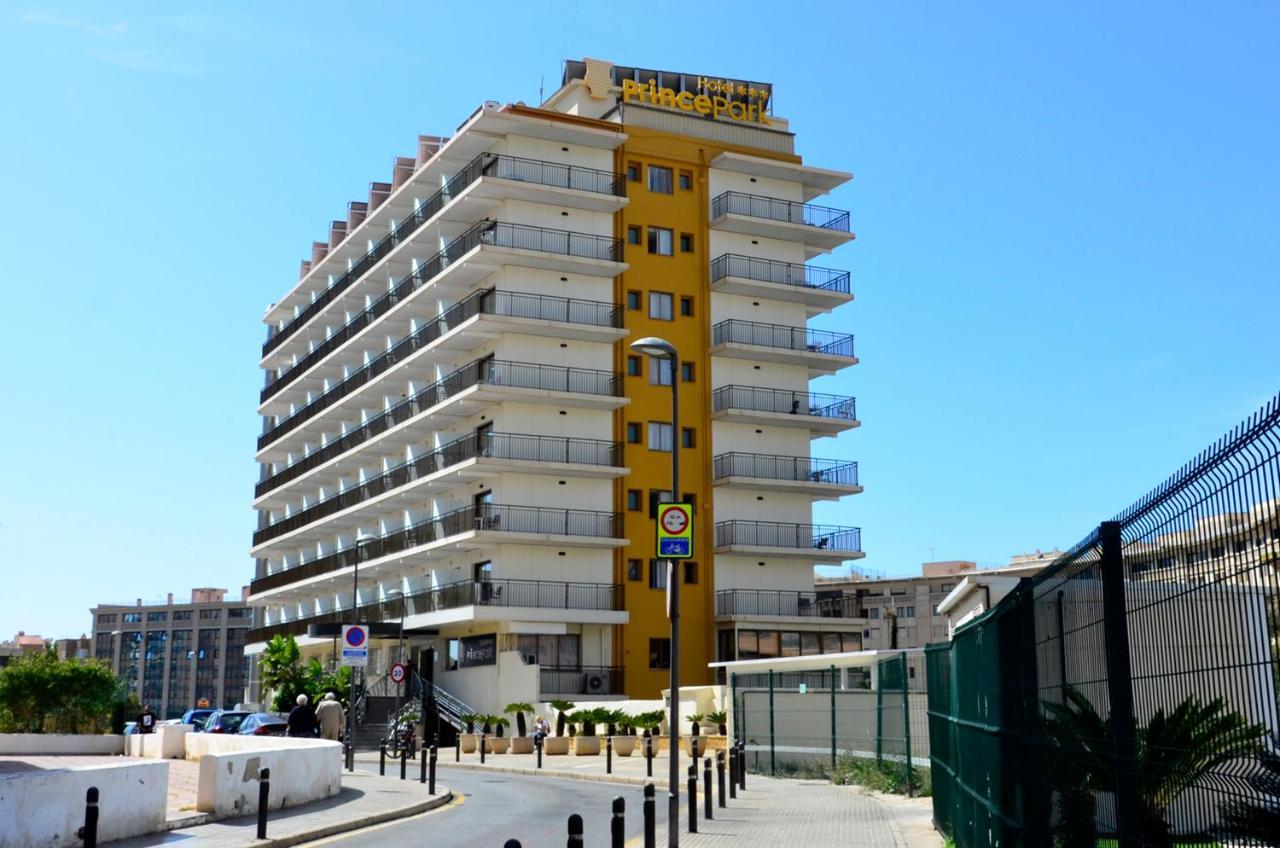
(595, 683)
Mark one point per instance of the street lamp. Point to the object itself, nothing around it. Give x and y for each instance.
(363, 541)
(662, 349)
(399, 593)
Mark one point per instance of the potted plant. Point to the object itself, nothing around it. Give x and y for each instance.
(649, 722)
(720, 720)
(558, 744)
(624, 745)
(468, 739)
(522, 743)
(586, 744)
(497, 742)
(697, 745)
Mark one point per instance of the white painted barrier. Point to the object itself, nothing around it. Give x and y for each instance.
(166, 743)
(44, 809)
(302, 770)
(18, 744)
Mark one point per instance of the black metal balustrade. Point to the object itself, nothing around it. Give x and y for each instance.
(784, 402)
(487, 302)
(780, 273)
(482, 371)
(580, 680)
(540, 594)
(485, 517)
(486, 164)
(795, 468)
(777, 534)
(486, 445)
(493, 233)
(780, 336)
(786, 211)
(768, 602)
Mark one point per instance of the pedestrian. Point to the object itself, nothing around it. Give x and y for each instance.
(302, 720)
(330, 716)
(147, 720)
(541, 729)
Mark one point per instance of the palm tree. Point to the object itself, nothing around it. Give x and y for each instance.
(470, 719)
(694, 721)
(562, 707)
(612, 718)
(499, 722)
(721, 720)
(519, 708)
(1258, 820)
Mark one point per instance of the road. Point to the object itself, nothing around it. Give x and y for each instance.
(490, 808)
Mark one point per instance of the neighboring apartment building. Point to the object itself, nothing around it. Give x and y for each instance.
(451, 402)
(19, 646)
(73, 649)
(176, 655)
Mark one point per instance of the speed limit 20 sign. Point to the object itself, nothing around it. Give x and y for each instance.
(675, 531)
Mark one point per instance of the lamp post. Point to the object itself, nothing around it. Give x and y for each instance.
(663, 349)
(399, 593)
(363, 541)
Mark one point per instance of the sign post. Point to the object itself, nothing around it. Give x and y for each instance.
(355, 653)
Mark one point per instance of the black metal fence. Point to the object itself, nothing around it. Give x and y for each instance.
(785, 211)
(794, 469)
(1128, 691)
(781, 534)
(779, 273)
(780, 336)
(783, 402)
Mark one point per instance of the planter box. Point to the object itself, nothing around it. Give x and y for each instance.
(624, 746)
(696, 746)
(586, 746)
(468, 742)
(554, 745)
(498, 744)
(522, 744)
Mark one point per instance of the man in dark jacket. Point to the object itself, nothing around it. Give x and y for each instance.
(302, 720)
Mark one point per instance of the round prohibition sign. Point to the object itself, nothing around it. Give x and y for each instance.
(398, 673)
(675, 521)
(355, 637)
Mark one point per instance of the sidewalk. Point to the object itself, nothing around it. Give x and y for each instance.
(365, 800)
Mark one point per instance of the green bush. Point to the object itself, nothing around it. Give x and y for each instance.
(886, 776)
(40, 693)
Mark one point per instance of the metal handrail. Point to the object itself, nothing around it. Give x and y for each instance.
(780, 273)
(784, 402)
(773, 467)
(734, 331)
(786, 211)
(779, 534)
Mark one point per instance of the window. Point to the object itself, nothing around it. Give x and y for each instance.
(157, 616)
(659, 179)
(633, 433)
(873, 613)
(686, 181)
(897, 591)
(660, 241)
(690, 573)
(633, 299)
(633, 172)
(451, 655)
(659, 371)
(906, 612)
(239, 612)
(686, 306)
(633, 235)
(210, 614)
(633, 366)
(686, 372)
(657, 496)
(692, 500)
(686, 243)
(132, 618)
(107, 618)
(657, 574)
(688, 437)
(659, 653)
(634, 569)
(660, 306)
(182, 615)
(810, 644)
(633, 500)
(563, 652)
(659, 436)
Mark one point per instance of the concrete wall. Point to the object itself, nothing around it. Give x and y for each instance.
(58, 743)
(167, 743)
(44, 809)
(302, 770)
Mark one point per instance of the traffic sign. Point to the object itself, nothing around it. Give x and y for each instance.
(398, 673)
(675, 531)
(355, 644)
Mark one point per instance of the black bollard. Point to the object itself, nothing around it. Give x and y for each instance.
(720, 778)
(575, 831)
(382, 760)
(431, 775)
(618, 824)
(481, 749)
(608, 755)
(693, 797)
(733, 773)
(404, 761)
(742, 765)
(264, 795)
(708, 801)
(537, 746)
(512, 843)
(422, 766)
(650, 817)
(89, 833)
(648, 756)
(457, 748)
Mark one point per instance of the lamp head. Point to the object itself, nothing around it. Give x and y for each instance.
(654, 346)
(365, 538)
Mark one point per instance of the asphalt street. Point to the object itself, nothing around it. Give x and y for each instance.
(488, 809)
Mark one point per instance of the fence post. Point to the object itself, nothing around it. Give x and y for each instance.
(650, 817)
(264, 797)
(575, 831)
(708, 800)
(833, 719)
(89, 833)
(1129, 823)
(618, 824)
(720, 778)
(906, 723)
(692, 785)
(879, 684)
(773, 745)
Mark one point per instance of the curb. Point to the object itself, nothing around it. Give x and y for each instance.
(566, 775)
(433, 802)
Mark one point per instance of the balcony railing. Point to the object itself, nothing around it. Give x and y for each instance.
(767, 602)
(775, 534)
(801, 469)
(487, 302)
(483, 517)
(780, 273)
(542, 594)
(779, 336)
(784, 402)
(786, 211)
(482, 371)
(489, 445)
(486, 164)
(580, 680)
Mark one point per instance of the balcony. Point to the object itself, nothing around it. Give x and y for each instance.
(818, 228)
(465, 390)
(819, 289)
(587, 320)
(820, 351)
(822, 478)
(774, 538)
(442, 469)
(822, 415)
(579, 680)
(507, 168)
(486, 524)
(497, 594)
(763, 603)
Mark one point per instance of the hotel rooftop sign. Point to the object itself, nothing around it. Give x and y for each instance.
(713, 97)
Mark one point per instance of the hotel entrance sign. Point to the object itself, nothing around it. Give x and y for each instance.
(675, 531)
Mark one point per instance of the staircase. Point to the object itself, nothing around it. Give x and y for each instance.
(377, 713)
(369, 733)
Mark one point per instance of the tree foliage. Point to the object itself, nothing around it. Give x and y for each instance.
(40, 693)
(285, 675)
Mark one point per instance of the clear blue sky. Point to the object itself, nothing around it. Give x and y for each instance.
(1066, 265)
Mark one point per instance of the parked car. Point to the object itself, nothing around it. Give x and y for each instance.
(196, 718)
(130, 728)
(224, 721)
(262, 724)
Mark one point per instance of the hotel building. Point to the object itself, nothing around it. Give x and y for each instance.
(454, 423)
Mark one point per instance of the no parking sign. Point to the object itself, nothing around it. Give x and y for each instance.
(355, 644)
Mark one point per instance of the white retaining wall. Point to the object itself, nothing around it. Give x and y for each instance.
(18, 744)
(44, 809)
(302, 770)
